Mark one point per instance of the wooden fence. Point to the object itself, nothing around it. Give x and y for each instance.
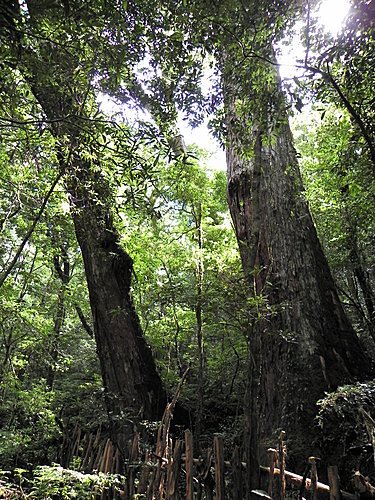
(171, 471)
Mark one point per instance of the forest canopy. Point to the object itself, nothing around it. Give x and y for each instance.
(133, 269)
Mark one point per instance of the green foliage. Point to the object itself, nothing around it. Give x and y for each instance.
(51, 482)
(55, 482)
(346, 399)
(340, 191)
(340, 72)
(28, 425)
(167, 255)
(344, 433)
(334, 179)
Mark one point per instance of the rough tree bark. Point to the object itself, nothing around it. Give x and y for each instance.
(133, 386)
(304, 343)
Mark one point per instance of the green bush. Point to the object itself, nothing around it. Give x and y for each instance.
(55, 482)
(343, 431)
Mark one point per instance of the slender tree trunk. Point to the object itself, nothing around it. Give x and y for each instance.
(368, 296)
(359, 272)
(308, 346)
(55, 337)
(62, 269)
(198, 316)
(361, 276)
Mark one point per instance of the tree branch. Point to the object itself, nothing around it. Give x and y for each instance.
(30, 231)
(84, 322)
(328, 78)
(307, 32)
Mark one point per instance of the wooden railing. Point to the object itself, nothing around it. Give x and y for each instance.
(172, 472)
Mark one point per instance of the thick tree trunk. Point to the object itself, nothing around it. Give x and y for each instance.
(133, 387)
(132, 384)
(307, 343)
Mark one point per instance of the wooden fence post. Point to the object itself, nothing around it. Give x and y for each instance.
(219, 467)
(102, 467)
(174, 472)
(282, 454)
(98, 458)
(334, 482)
(76, 439)
(362, 487)
(272, 454)
(116, 467)
(206, 476)
(131, 468)
(189, 460)
(94, 452)
(314, 478)
(86, 456)
(144, 475)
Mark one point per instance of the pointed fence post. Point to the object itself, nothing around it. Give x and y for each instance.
(75, 444)
(144, 475)
(103, 465)
(173, 473)
(88, 450)
(131, 472)
(208, 480)
(94, 453)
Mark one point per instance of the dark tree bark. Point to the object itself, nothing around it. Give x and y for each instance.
(132, 384)
(304, 343)
(127, 364)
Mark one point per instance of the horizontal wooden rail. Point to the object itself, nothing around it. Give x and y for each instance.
(296, 479)
(292, 478)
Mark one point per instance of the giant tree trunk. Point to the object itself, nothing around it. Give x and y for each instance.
(132, 384)
(127, 365)
(133, 387)
(308, 345)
